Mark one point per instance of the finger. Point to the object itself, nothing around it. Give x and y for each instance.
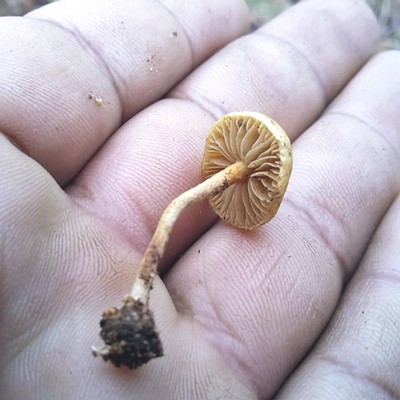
(263, 297)
(157, 155)
(357, 356)
(286, 68)
(74, 70)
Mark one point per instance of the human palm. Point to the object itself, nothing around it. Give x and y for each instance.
(90, 156)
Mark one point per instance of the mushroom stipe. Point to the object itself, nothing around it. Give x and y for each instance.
(246, 166)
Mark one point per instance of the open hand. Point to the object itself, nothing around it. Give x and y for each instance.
(105, 106)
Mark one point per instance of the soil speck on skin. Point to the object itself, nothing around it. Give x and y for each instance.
(98, 100)
(154, 59)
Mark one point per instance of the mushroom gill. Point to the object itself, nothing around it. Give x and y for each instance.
(262, 145)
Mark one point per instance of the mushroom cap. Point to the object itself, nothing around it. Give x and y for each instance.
(263, 146)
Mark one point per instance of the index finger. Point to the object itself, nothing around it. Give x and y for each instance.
(72, 71)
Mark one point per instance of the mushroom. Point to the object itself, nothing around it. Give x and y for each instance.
(247, 164)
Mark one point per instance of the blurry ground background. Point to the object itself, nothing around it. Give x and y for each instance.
(387, 12)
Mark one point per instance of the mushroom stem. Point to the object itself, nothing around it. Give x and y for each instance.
(155, 251)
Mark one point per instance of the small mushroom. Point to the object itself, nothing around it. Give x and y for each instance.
(260, 148)
(247, 164)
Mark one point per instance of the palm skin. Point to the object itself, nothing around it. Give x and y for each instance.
(84, 182)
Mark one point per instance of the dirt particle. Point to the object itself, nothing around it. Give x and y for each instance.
(98, 100)
(154, 59)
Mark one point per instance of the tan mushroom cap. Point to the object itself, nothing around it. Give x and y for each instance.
(260, 143)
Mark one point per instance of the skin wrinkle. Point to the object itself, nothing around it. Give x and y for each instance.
(200, 101)
(185, 310)
(387, 276)
(369, 297)
(338, 24)
(363, 121)
(250, 368)
(377, 133)
(234, 346)
(187, 37)
(53, 117)
(118, 82)
(218, 109)
(19, 146)
(307, 219)
(226, 334)
(80, 192)
(32, 333)
(347, 369)
(88, 48)
(137, 206)
(32, 337)
(304, 58)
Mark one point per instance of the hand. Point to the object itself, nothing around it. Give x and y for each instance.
(307, 303)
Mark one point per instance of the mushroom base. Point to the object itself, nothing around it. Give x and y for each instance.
(129, 335)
